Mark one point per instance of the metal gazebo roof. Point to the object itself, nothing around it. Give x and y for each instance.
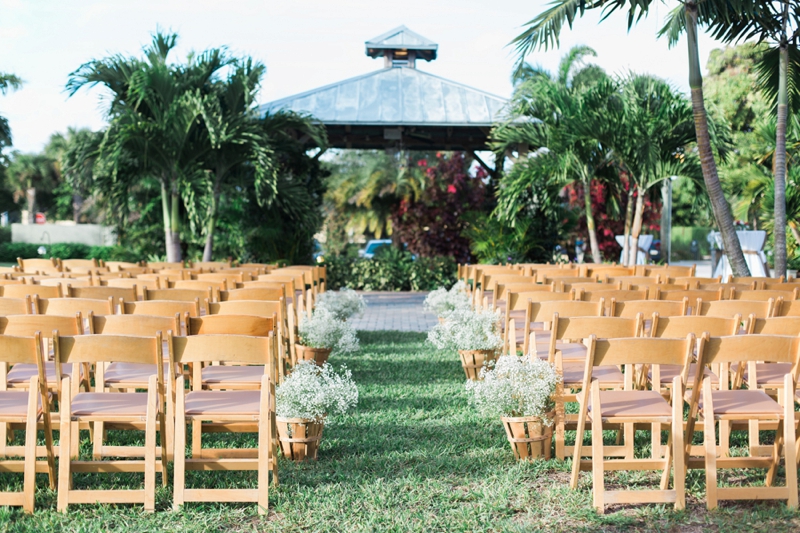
(399, 106)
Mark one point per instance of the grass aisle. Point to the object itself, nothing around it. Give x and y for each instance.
(412, 457)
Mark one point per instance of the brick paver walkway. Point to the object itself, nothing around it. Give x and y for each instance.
(398, 311)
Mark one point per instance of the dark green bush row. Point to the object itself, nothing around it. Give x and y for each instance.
(390, 270)
(10, 251)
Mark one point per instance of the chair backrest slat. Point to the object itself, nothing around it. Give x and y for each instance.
(728, 308)
(256, 326)
(70, 306)
(241, 349)
(678, 327)
(166, 308)
(126, 294)
(27, 325)
(784, 325)
(15, 306)
(139, 325)
(631, 308)
(745, 348)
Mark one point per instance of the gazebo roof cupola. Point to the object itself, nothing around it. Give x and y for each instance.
(401, 47)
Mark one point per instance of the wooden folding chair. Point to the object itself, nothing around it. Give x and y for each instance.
(123, 409)
(518, 306)
(667, 271)
(16, 306)
(139, 284)
(604, 407)
(119, 266)
(502, 289)
(200, 285)
(610, 296)
(168, 308)
(26, 407)
(210, 266)
(161, 265)
(603, 271)
(234, 407)
(71, 306)
(749, 405)
(760, 295)
(118, 376)
(787, 308)
(537, 332)
(265, 308)
(181, 295)
(728, 308)
(125, 294)
(38, 265)
(692, 295)
(27, 289)
(568, 331)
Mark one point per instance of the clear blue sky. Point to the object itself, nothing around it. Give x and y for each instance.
(305, 44)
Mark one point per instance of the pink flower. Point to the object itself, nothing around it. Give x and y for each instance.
(451, 189)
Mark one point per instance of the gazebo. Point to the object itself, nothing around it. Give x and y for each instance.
(400, 106)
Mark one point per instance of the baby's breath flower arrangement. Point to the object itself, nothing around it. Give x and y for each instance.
(343, 304)
(467, 329)
(443, 302)
(315, 392)
(515, 387)
(325, 330)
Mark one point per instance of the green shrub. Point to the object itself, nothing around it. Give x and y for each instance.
(390, 270)
(5, 234)
(10, 251)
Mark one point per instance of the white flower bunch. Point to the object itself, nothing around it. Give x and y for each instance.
(343, 304)
(315, 392)
(443, 302)
(467, 329)
(324, 330)
(515, 386)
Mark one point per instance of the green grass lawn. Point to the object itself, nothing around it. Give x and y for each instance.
(412, 457)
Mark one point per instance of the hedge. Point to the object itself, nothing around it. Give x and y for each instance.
(10, 251)
(390, 271)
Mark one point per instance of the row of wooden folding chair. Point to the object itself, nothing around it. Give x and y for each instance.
(650, 407)
(99, 407)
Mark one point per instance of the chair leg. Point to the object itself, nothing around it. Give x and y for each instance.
(65, 453)
(29, 469)
(711, 462)
(264, 447)
(179, 475)
(598, 485)
(97, 440)
(789, 435)
(197, 438)
(150, 448)
(679, 458)
(578, 448)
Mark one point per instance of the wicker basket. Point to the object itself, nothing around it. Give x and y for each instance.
(528, 436)
(304, 353)
(299, 437)
(472, 361)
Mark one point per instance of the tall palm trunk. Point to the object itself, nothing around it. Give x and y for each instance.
(779, 231)
(626, 248)
(720, 206)
(30, 200)
(212, 222)
(590, 224)
(170, 200)
(636, 229)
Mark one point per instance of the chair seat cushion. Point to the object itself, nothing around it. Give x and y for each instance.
(131, 373)
(633, 404)
(22, 373)
(606, 375)
(233, 374)
(668, 372)
(742, 402)
(15, 403)
(769, 374)
(570, 351)
(109, 404)
(223, 402)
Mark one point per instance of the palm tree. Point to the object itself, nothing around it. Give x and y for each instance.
(544, 30)
(154, 119)
(552, 112)
(649, 140)
(776, 23)
(29, 173)
(8, 82)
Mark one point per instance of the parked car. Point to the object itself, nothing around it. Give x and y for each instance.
(373, 246)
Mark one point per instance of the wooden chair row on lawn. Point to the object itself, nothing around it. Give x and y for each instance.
(240, 398)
